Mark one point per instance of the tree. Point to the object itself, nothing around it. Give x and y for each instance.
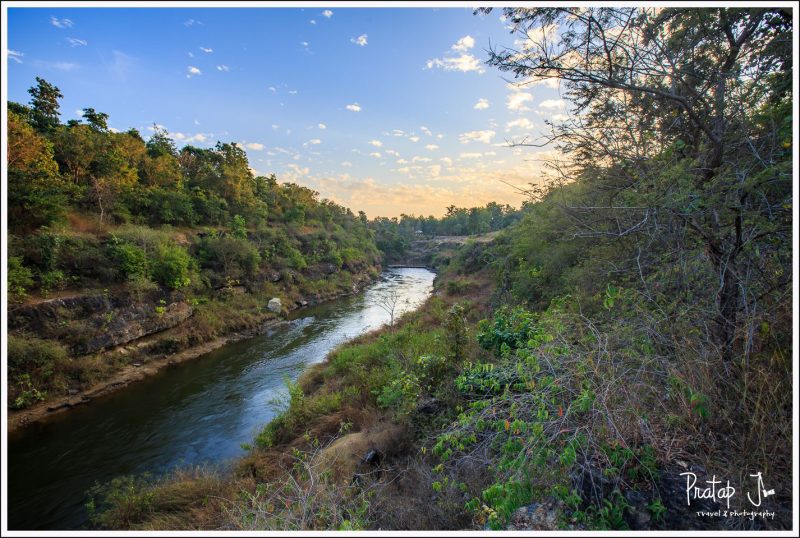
(44, 105)
(160, 143)
(35, 191)
(97, 120)
(388, 301)
(678, 112)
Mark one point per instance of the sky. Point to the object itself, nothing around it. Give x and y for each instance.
(385, 110)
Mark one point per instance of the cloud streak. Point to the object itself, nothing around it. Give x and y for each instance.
(15, 55)
(61, 23)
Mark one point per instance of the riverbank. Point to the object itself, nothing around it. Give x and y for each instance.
(141, 358)
(348, 423)
(196, 413)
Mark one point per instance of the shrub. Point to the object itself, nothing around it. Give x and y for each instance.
(173, 267)
(131, 260)
(20, 279)
(233, 256)
(27, 353)
(51, 280)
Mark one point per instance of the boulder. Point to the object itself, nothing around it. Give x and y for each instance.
(274, 305)
(352, 452)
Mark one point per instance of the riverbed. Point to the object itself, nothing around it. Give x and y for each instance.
(196, 412)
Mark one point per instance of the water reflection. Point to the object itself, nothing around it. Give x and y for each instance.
(198, 411)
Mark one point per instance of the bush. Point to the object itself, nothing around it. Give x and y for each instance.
(51, 280)
(28, 353)
(20, 279)
(131, 260)
(173, 267)
(234, 257)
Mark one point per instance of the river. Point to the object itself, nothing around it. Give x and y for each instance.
(199, 411)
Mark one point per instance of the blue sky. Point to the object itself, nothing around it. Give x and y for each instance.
(386, 110)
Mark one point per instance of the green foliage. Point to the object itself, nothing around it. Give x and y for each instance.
(239, 227)
(172, 266)
(131, 260)
(20, 279)
(28, 394)
(45, 105)
(30, 355)
(131, 497)
(509, 330)
(400, 394)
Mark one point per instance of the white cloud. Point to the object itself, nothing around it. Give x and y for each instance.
(558, 117)
(420, 160)
(313, 142)
(516, 101)
(553, 104)
(276, 126)
(206, 50)
(73, 42)
(327, 13)
(63, 66)
(375, 154)
(401, 161)
(254, 146)
(478, 136)
(392, 152)
(398, 132)
(272, 89)
(434, 170)
(292, 92)
(192, 22)
(447, 160)
(312, 21)
(482, 104)
(470, 155)
(464, 44)
(304, 44)
(520, 123)
(376, 143)
(414, 138)
(61, 23)
(355, 107)
(190, 138)
(464, 63)
(432, 147)
(360, 40)
(298, 170)
(192, 71)
(322, 126)
(346, 163)
(190, 54)
(426, 130)
(15, 55)
(223, 67)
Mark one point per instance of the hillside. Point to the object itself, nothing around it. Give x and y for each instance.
(123, 252)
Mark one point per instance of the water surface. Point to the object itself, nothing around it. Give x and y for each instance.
(198, 411)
